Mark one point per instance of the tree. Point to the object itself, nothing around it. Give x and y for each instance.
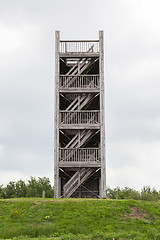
(149, 194)
(21, 189)
(134, 195)
(122, 193)
(111, 193)
(2, 192)
(129, 193)
(36, 187)
(10, 190)
(44, 185)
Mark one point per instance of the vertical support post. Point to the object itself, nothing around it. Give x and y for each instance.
(56, 118)
(102, 132)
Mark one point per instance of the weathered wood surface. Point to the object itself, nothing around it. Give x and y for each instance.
(79, 89)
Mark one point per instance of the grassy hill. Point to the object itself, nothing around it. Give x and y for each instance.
(74, 219)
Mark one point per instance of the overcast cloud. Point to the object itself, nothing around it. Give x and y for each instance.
(132, 84)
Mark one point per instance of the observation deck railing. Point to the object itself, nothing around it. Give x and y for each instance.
(79, 81)
(80, 117)
(79, 154)
(81, 46)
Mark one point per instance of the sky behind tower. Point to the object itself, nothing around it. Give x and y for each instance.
(132, 84)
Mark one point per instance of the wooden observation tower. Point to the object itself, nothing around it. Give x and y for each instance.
(79, 152)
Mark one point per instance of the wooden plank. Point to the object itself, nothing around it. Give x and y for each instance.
(75, 90)
(80, 126)
(80, 164)
(79, 41)
(79, 55)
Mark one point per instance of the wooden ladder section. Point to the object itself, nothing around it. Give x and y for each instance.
(78, 103)
(78, 141)
(79, 68)
(76, 181)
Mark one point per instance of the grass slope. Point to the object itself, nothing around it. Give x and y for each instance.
(74, 219)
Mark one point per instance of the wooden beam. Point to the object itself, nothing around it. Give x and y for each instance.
(79, 164)
(102, 108)
(56, 118)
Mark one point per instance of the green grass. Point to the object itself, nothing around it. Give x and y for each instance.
(75, 219)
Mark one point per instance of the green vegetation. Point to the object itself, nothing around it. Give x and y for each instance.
(136, 215)
(128, 193)
(75, 219)
(33, 188)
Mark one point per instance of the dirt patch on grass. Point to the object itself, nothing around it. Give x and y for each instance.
(135, 214)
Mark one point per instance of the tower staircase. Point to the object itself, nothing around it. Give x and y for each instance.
(76, 181)
(79, 68)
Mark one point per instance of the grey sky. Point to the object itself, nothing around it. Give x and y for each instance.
(132, 82)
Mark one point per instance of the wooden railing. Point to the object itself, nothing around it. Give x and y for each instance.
(79, 46)
(79, 154)
(79, 81)
(80, 117)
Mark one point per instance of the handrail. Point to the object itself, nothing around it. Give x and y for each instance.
(79, 81)
(79, 40)
(81, 46)
(79, 154)
(80, 148)
(80, 117)
(82, 75)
